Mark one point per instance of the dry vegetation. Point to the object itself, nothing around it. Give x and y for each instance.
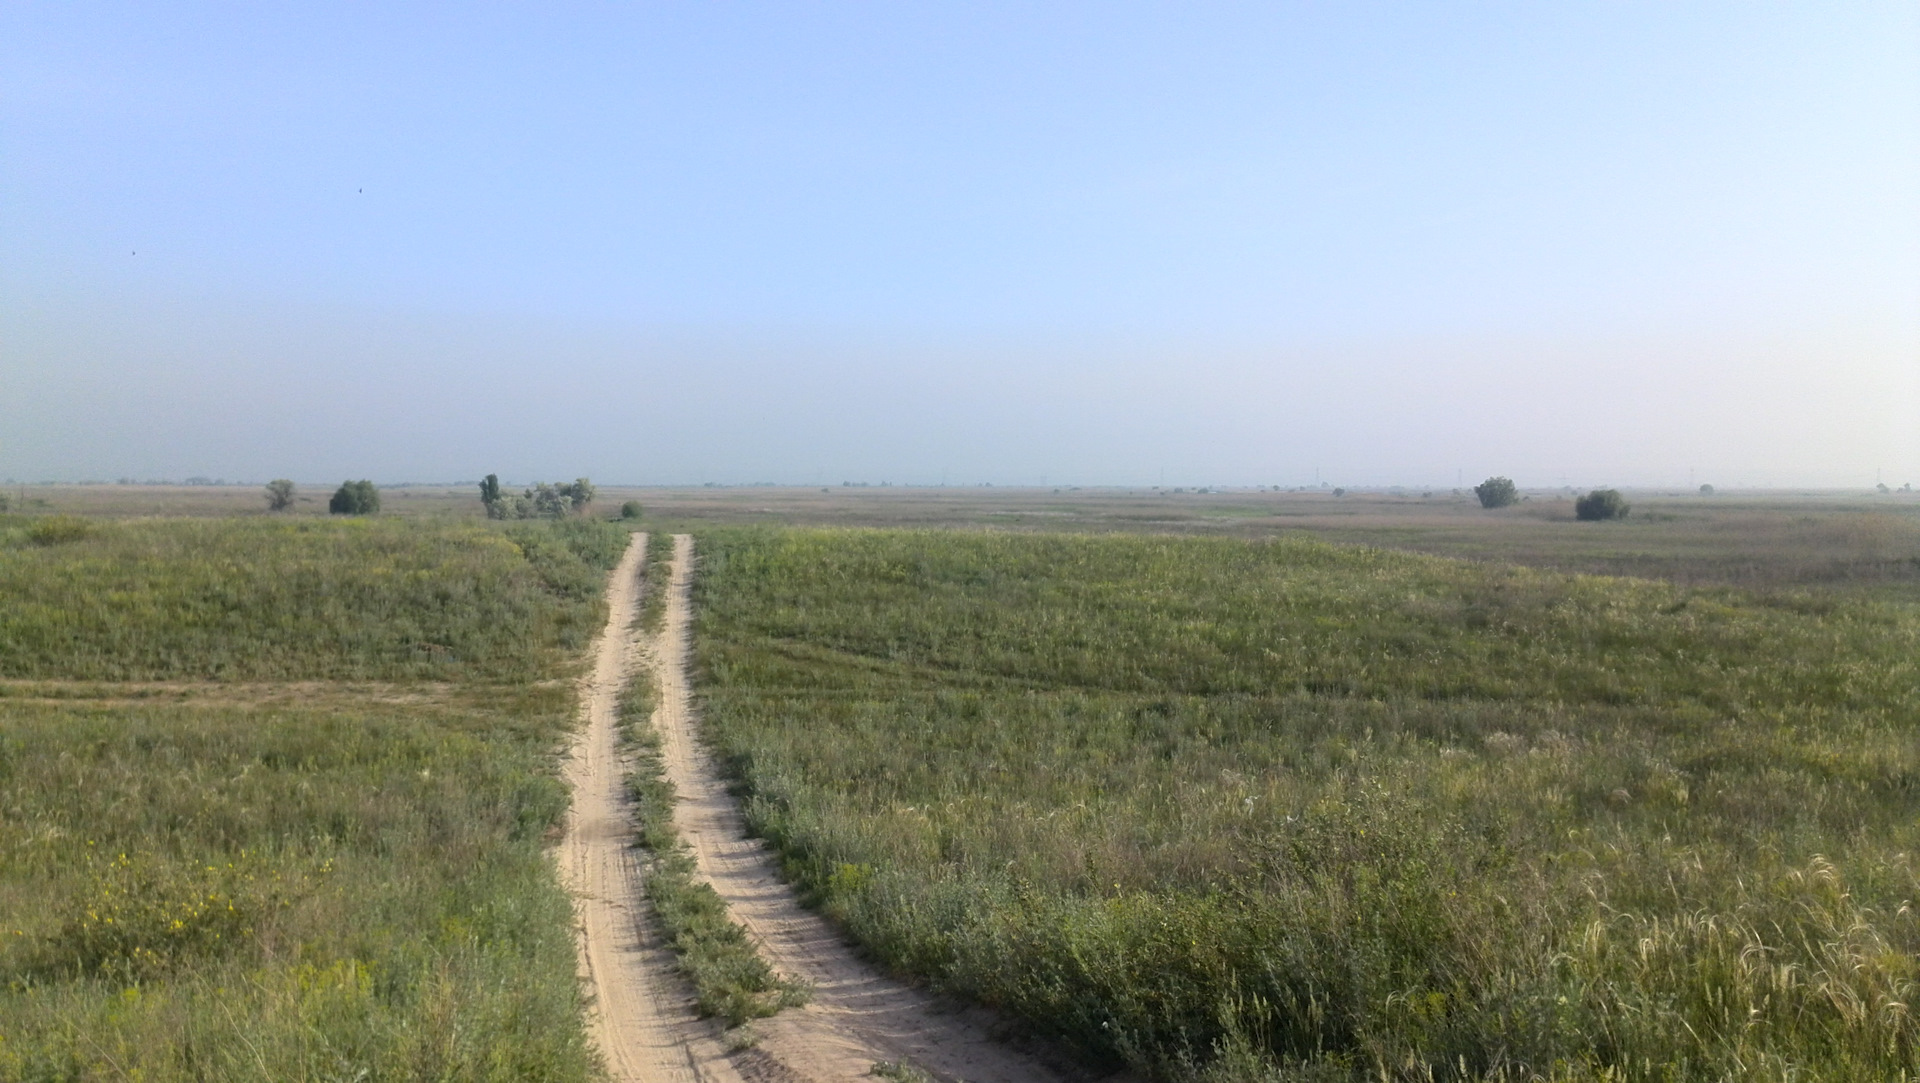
(1275, 808)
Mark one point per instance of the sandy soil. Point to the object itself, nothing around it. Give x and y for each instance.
(858, 1016)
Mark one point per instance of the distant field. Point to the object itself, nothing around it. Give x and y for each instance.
(235, 864)
(1253, 806)
(1765, 540)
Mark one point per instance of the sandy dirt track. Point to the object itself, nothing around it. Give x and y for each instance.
(858, 1016)
(639, 1013)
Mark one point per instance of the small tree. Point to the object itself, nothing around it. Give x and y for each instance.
(630, 510)
(1706, 490)
(542, 501)
(279, 494)
(1601, 504)
(1497, 492)
(355, 498)
(580, 493)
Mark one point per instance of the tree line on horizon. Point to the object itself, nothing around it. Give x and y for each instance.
(542, 501)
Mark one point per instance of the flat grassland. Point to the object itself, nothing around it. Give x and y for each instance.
(273, 798)
(1274, 807)
(1761, 539)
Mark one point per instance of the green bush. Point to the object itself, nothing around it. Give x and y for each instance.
(279, 494)
(355, 498)
(1601, 504)
(1497, 492)
(630, 510)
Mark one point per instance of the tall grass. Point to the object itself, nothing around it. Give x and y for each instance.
(311, 881)
(278, 599)
(193, 892)
(1260, 809)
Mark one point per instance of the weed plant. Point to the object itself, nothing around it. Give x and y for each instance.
(1289, 810)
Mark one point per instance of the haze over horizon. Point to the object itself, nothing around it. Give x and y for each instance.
(1094, 244)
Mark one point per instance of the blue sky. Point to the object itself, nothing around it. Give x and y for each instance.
(1099, 243)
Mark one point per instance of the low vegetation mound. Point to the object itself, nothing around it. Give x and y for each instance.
(1241, 809)
(289, 599)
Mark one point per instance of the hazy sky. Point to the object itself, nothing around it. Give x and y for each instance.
(1608, 243)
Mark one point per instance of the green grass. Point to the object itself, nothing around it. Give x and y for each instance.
(262, 599)
(1255, 808)
(296, 880)
(278, 892)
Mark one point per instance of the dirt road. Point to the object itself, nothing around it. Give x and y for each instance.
(858, 1016)
(641, 1014)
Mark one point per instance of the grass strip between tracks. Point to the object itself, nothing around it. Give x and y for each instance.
(731, 980)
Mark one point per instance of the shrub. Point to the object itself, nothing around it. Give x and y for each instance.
(279, 494)
(141, 915)
(57, 529)
(355, 498)
(1601, 504)
(630, 510)
(1706, 490)
(1497, 492)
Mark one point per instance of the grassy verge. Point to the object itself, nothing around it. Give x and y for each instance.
(1285, 810)
(731, 981)
(657, 574)
(310, 880)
